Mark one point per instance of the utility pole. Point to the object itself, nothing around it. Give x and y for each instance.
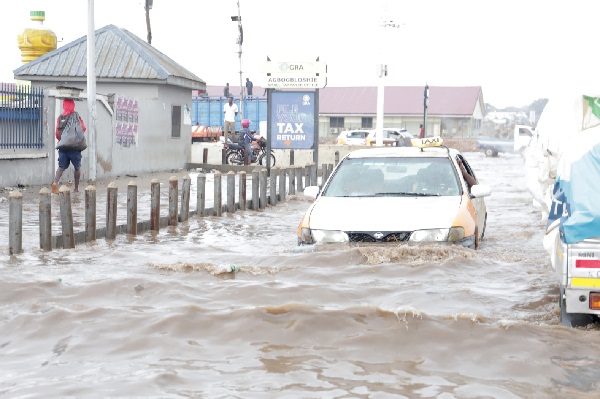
(240, 40)
(148, 7)
(91, 90)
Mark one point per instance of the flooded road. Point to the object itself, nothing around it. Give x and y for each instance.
(154, 316)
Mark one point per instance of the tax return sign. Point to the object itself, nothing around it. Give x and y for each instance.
(293, 119)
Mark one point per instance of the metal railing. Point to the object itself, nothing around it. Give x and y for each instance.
(21, 116)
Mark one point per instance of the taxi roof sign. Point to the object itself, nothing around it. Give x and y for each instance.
(435, 141)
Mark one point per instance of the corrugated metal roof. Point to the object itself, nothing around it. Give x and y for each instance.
(119, 55)
(398, 100)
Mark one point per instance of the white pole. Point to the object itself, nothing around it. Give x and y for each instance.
(91, 90)
(380, 97)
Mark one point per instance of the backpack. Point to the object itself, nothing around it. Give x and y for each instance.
(70, 133)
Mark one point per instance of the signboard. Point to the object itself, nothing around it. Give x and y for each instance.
(295, 75)
(292, 120)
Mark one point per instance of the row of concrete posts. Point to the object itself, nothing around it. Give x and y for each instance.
(292, 177)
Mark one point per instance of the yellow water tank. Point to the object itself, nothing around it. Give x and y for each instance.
(37, 40)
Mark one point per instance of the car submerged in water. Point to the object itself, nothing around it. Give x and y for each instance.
(398, 194)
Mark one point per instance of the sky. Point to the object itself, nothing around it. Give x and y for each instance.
(517, 50)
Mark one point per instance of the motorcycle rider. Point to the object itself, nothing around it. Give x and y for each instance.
(245, 138)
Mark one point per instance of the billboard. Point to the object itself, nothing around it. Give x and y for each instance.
(292, 120)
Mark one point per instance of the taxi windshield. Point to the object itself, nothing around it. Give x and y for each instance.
(389, 177)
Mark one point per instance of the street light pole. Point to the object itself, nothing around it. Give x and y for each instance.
(382, 72)
(425, 106)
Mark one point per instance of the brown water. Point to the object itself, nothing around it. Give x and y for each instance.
(152, 316)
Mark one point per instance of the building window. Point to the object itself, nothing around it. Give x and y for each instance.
(367, 123)
(336, 121)
(176, 121)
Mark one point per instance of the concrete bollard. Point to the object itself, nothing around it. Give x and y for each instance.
(299, 174)
(242, 190)
(230, 191)
(205, 156)
(314, 174)
(292, 180)
(217, 196)
(15, 222)
(90, 213)
(337, 157)
(45, 219)
(186, 186)
(154, 205)
(291, 157)
(324, 174)
(273, 186)
(282, 175)
(66, 217)
(223, 156)
(262, 204)
(201, 194)
(306, 176)
(132, 208)
(255, 190)
(111, 211)
(173, 197)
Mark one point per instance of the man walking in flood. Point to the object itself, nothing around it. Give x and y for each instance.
(66, 157)
(230, 110)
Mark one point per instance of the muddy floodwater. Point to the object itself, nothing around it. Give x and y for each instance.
(154, 316)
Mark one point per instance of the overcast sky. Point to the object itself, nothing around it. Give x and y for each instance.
(516, 50)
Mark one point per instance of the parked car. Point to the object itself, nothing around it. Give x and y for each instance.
(352, 137)
(408, 194)
(393, 137)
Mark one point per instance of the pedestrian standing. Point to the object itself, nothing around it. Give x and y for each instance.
(230, 110)
(421, 132)
(66, 157)
(226, 91)
(249, 87)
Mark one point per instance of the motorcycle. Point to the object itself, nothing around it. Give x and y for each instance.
(235, 152)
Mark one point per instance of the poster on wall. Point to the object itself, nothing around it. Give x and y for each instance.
(126, 129)
(292, 119)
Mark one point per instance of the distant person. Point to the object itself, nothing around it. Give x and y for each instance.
(249, 87)
(226, 91)
(246, 137)
(421, 132)
(230, 110)
(66, 157)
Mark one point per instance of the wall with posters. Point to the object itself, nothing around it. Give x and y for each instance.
(135, 130)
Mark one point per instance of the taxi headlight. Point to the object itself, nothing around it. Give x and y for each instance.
(305, 236)
(456, 234)
(453, 234)
(328, 236)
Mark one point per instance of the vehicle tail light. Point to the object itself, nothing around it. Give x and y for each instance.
(588, 263)
(595, 300)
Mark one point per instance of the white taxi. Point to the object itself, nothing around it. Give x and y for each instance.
(423, 193)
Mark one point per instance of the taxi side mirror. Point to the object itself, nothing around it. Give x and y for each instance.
(311, 191)
(480, 190)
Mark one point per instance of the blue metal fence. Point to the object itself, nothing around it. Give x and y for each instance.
(21, 121)
(208, 110)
